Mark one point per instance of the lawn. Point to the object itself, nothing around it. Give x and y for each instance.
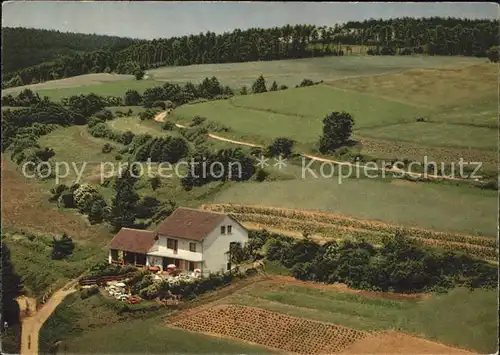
(94, 325)
(296, 113)
(137, 126)
(107, 88)
(74, 81)
(149, 337)
(291, 72)
(465, 125)
(235, 75)
(316, 101)
(431, 206)
(442, 317)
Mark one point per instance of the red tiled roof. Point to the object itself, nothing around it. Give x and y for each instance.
(133, 240)
(188, 223)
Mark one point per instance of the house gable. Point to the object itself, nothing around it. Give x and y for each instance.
(190, 224)
(133, 240)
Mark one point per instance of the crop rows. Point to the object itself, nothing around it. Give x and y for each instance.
(309, 227)
(272, 329)
(350, 222)
(347, 233)
(341, 227)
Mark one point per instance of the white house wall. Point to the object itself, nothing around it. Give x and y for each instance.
(160, 249)
(215, 246)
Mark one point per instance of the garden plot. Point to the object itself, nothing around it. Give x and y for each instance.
(271, 329)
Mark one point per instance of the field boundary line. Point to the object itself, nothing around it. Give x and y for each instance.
(229, 208)
(160, 118)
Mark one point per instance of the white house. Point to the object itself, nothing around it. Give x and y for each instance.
(189, 238)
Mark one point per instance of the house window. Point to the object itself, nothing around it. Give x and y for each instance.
(229, 229)
(192, 247)
(171, 243)
(222, 229)
(192, 266)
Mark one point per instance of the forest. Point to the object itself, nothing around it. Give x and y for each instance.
(24, 47)
(95, 54)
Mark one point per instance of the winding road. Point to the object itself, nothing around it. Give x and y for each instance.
(33, 321)
(161, 118)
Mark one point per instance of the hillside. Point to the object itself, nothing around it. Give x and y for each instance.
(358, 162)
(400, 36)
(25, 47)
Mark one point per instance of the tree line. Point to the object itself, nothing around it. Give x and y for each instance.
(25, 47)
(400, 264)
(166, 96)
(432, 36)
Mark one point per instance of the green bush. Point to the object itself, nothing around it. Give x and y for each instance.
(197, 120)
(261, 175)
(105, 269)
(400, 265)
(107, 148)
(90, 291)
(168, 126)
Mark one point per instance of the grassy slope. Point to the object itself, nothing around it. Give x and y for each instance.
(440, 318)
(291, 72)
(437, 134)
(443, 318)
(32, 261)
(383, 106)
(150, 337)
(82, 85)
(288, 72)
(139, 127)
(94, 326)
(26, 207)
(433, 87)
(440, 207)
(297, 113)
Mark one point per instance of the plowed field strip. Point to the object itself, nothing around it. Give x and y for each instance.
(272, 329)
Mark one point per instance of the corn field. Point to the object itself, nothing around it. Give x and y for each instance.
(335, 226)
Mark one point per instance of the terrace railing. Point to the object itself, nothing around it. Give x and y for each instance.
(102, 280)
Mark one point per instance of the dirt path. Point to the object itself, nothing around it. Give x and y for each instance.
(32, 324)
(161, 118)
(219, 138)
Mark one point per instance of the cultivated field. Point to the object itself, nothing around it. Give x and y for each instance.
(272, 329)
(291, 72)
(280, 314)
(434, 317)
(430, 206)
(235, 75)
(94, 326)
(331, 226)
(297, 113)
(329, 318)
(431, 87)
(100, 84)
(384, 107)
